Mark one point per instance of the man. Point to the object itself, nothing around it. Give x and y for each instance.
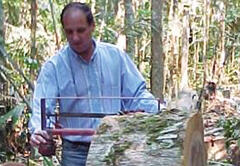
(85, 67)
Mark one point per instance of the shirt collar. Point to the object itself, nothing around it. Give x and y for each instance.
(93, 57)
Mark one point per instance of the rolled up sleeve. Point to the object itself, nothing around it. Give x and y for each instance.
(134, 85)
(46, 86)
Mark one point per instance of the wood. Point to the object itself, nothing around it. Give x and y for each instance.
(185, 49)
(12, 164)
(143, 139)
(2, 33)
(129, 24)
(195, 153)
(157, 59)
(33, 34)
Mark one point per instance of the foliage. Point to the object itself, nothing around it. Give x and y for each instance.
(231, 130)
(47, 162)
(12, 115)
(12, 124)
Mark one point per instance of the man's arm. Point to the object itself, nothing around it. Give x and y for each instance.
(46, 86)
(133, 84)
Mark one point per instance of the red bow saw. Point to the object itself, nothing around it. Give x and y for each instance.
(49, 148)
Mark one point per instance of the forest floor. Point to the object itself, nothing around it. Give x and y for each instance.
(218, 116)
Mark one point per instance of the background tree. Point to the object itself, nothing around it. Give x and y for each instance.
(157, 69)
(33, 32)
(185, 47)
(129, 25)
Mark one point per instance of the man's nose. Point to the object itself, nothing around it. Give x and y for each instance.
(75, 36)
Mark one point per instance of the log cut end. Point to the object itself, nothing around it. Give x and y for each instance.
(195, 153)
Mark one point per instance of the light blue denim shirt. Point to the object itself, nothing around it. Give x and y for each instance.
(110, 72)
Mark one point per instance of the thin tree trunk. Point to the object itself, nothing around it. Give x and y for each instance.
(3, 82)
(120, 16)
(222, 47)
(33, 32)
(1, 24)
(116, 6)
(173, 49)
(233, 56)
(93, 6)
(205, 38)
(222, 23)
(54, 24)
(157, 68)
(196, 53)
(103, 23)
(185, 48)
(129, 23)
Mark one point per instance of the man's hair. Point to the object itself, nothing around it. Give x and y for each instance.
(80, 6)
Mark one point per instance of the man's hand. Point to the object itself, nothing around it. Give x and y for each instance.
(38, 137)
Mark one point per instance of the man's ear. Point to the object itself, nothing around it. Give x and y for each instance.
(93, 26)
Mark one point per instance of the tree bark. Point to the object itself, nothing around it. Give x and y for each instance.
(194, 153)
(157, 68)
(54, 23)
(103, 18)
(144, 139)
(185, 48)
(33, 33)
(1, 24)
(223, 56)
(171, 61)
(205, 39)
(129, 24)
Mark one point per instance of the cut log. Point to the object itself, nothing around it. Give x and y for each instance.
(143, 139)
(12, 164)
(195, 153)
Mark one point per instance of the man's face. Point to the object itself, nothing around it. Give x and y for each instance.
(77, 30)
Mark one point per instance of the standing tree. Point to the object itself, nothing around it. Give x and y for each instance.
(54, 23)
(3, 83)
(185, 49)
(1, 24)
(129, 23)
(33, 32)
(157, 68)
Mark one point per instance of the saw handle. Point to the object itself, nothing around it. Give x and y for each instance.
(47, 149)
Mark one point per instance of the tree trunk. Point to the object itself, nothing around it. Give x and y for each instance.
(185, 48)
(157, 68)
(120, 18)
(54, 24)
(129, 24)
(145, 139)
(1, 24)
(103, 18)
(205, 38)
(173, 57)
(194, 152)
(222, 59)
(33, 33)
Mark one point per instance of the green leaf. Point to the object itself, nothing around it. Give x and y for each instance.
(14, 115)
(238, 142)
(47, 161)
